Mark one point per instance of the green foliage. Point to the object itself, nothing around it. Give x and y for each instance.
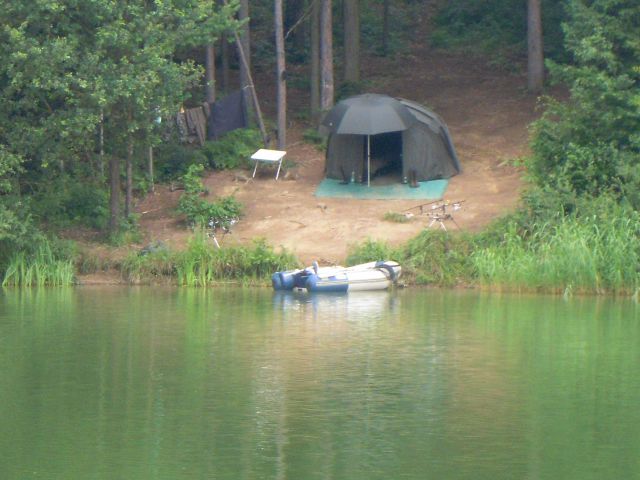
(233, 150)
(68, 68)
(438, 257)
(48, 264)
(18, 233)
(349, 89)
(66, 200)
(172, 160)
(590, 144)
(311, 135)
(128, 232)
(192, 180)
(199, 211)
(370, 251)
(10, 165)
(497, 27)
(433, 257)
(202, 264)
(395, 217)
(593, 249)
(402, 15)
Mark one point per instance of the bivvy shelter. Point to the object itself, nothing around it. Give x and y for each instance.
(375, 135)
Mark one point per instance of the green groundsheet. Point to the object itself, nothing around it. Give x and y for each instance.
(431, 190)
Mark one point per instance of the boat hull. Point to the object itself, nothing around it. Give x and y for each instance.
(366, 277)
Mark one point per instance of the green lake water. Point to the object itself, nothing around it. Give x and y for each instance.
(161, 383)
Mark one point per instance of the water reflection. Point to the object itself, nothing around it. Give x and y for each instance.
(354, 306)
(241, 383)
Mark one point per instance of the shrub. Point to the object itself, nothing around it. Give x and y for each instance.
(172, 160)
(438, 257)
(71, 200)
(370, 251)
(233, 150)
(199, 211)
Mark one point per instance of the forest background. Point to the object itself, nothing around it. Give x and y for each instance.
(84, 85)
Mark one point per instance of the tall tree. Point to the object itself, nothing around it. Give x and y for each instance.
(295, 27)
(224, 54)
(245, 65)
(72, 63)
(590, 143)
(351, 41)
(385, 27)
(326, 55)
(315, 59)
(280, 76)
(210, 73)
(535, 73)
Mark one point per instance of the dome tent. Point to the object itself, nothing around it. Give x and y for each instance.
(423, 149)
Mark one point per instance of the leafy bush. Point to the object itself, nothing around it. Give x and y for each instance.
(233, 150)
(370, 251)
(67, 200)
(438, 257)
(172, 160)
(590, 144)
(197, 210)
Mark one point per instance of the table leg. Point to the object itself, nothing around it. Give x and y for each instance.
(279, 165)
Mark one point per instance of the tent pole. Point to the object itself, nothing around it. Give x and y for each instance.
(368, 160)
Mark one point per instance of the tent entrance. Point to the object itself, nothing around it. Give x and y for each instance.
(386, 158)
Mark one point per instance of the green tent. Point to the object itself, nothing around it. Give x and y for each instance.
(423, 150)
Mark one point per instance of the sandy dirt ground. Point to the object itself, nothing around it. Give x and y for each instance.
(487, 110)
(487, 113)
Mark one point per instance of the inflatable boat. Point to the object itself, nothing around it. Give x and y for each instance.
(367, 276)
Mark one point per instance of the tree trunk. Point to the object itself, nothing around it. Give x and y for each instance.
(251, 90)
(535, 77)
(295, 28)
(280, 79)
(150, 169)
(128, 204)
(326, 56)
(210, 74)
(224, 47)
(315, 60)
(351, 41)
(385, 28)
(245, 66)
(101, 143)
(114, 199)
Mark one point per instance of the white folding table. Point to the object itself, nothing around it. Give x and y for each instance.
(268, 156)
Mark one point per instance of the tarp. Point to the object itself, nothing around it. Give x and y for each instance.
(227, 114)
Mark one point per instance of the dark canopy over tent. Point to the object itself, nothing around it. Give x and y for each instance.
(423, 150)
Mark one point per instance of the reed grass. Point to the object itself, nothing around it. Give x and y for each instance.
(39, 269)
(201, 264)
(595, 254)
(432, 257)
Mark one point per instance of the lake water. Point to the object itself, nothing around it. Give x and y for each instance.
(161, 383)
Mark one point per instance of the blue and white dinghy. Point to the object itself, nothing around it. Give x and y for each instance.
(367, 276)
